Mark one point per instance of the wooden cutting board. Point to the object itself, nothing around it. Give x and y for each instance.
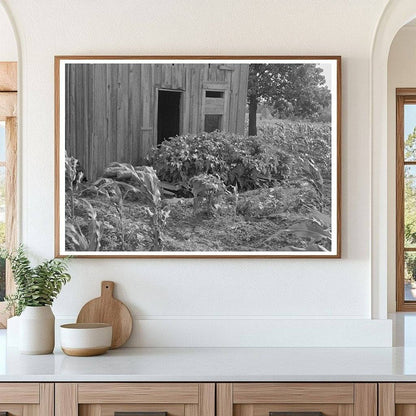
(107, 309)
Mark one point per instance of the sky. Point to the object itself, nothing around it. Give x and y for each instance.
(2, 141)
(409, 119)
(327, 68)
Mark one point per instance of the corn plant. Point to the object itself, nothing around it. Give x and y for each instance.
(315, 230)
(74, 176)
(75, 239)
(116, 192)
(121, 180)
(35, 286)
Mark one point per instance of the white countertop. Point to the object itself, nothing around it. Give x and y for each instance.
(213, 364)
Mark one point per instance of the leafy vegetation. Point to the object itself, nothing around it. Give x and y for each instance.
(248, 162)
(219, 192)
(98, 215)
(410, 207)
(35, 286)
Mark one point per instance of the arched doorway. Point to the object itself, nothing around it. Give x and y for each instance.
(396, 14)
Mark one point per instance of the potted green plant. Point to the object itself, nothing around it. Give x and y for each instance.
(36, 289)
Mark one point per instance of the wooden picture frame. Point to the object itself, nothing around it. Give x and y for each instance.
(161, 102)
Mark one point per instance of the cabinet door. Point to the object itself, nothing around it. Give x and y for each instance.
(297, 399)
(26, 399)
(143, 399)
(397, 399)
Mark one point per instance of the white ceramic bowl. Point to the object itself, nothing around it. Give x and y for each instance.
(83, 340)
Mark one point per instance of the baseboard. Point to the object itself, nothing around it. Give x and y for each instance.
(250, 332)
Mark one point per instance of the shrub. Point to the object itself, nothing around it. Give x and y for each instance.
(207, 191)
(245, 161)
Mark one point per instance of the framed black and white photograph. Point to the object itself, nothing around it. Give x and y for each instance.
(198, 156)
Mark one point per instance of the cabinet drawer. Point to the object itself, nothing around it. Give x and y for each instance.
(153, 399)
(297, 399)
(21, 399)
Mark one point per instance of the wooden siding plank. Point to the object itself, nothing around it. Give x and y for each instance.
(27, 393)
(386, 399)
(252, 393)
(242, 99)
(111, 110)
(195, 99)
(8, 105)
(134, 115)
(176, 76)
(138, 393)
(123, 146)
(210, 73)
(146, 102)
(70, 133)
(224, 399)
(234, 101)
(69, 143)
(8, 76)
(186, 97)
(81, 143)
(99, 121)
(157, 70)
(86, 110)
(66, 399)
(167, 75)
(215, 85)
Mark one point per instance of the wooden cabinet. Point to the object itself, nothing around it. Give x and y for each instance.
(297, 399)
(27, 399)
(208, 399)
(108, 399)
(397, 399)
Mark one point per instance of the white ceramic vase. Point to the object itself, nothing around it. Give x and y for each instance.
(37, 330)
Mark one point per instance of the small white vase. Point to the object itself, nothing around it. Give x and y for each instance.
(37, 330)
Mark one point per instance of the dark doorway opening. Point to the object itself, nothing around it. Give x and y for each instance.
(168, 115)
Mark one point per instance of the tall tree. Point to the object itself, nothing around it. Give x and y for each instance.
(293, 90)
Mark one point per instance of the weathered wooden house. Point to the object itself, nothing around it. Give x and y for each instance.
(119, 112)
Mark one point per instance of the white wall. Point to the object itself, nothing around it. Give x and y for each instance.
(8, 47)
(401, 74)
(179, 302)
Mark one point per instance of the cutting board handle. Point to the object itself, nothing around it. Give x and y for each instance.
(107, 289)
